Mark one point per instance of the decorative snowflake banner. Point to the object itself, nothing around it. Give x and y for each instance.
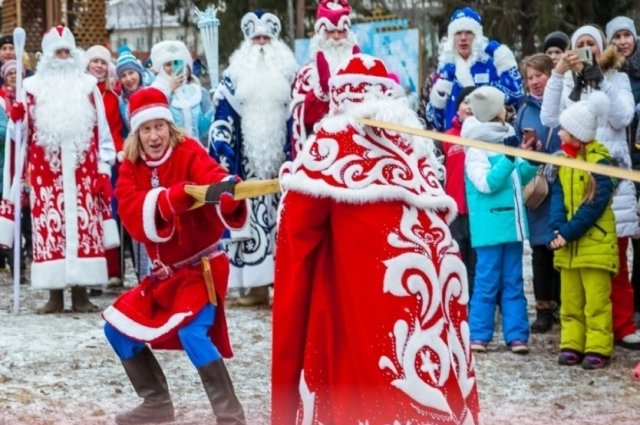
(208, 24)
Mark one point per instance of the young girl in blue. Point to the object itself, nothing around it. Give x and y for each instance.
(498, 221)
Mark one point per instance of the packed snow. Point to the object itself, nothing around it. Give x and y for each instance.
(60, 370)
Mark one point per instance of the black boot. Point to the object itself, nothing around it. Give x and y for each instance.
(219, 389)
(543, 322)
(151, 385)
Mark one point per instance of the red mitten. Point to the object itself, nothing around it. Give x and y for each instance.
(324, 72)
(175, 201)
(356, 50)
(102, 188)
(228, 205)
(18, 112)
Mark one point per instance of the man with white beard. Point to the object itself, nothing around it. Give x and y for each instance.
(331, 46)
(248, 137)
(67, 156)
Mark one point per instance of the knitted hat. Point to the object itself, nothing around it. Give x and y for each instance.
(332, 15)
(148, 104)
(464, 93)
(556, 39)
(58, 38)
(98, 52)
(8, 66)
(486, 103)
(465, 19)
(589, 30)
(6, 39)
(621, 23)
(359, 77)
(581, 118)
(259, 23)
(126, 61)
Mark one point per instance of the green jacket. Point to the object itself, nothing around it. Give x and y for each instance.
(588, 227)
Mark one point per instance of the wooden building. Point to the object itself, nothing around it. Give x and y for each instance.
(85, 18)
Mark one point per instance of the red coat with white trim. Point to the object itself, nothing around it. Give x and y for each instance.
(163, 303)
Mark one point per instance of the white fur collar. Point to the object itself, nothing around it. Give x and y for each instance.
(33, 83)
(448, 54)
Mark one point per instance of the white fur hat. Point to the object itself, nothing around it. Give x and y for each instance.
(167, 51)
(98, 52)
(58, 38)
(581, 118)
(486, 103)
(259, 23)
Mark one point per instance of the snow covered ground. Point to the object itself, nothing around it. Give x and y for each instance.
(59, 370)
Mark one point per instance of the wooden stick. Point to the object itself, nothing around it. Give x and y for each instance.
(605, 170)
(243, 190)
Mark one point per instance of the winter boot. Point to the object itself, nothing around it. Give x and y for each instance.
(80, 301)
(55, 303)
(150, 384)
(544, 321)
(217, 384)
(256, 296)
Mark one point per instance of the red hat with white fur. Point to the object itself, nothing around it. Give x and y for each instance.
(148, 104)
(332, 15)
(362, 76)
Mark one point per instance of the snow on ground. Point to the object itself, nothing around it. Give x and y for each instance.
(60, 370)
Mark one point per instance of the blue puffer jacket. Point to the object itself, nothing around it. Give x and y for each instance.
(494, 187)
(529, 117)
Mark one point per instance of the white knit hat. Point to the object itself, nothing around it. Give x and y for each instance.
(98, 52)
(581, 118)
(486, 103)
(620, 23)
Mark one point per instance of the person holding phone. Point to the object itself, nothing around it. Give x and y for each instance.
(530, 132)
(190, 103)
(573, 79)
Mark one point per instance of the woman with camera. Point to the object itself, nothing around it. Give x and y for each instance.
(586, 67)
(536, 71)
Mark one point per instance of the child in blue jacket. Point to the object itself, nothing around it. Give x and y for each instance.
(498, 224)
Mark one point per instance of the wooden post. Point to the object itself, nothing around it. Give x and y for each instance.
(18, 13)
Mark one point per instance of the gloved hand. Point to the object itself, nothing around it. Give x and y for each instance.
(491, 48)
(578, 85)
(448, 72)
(592, 74)
(179, 200)
(228, 205)
(356, 50)
(102, 188)
(324, 72)
(18, 111)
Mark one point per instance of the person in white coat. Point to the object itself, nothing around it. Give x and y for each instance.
(573, 80)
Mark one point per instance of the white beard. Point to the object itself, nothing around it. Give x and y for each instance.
(63, 112)
(263, 87)
(335, 52)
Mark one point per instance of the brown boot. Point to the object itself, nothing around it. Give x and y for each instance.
(55, 303)
(80, 301)
(217, 384)
(256, 296)
(150, 384)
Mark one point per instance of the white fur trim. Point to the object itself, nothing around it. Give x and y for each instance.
(463, 72)
(104, 169)
(158, 162)
(60, 274)
(440, 93)
(72, 267)
(504, 59)
(464, 24)
(138, 331)
(149, 216)
(230, 227)
(120, 156)
(148, 114)
(324, 24)
(7, 228)
(110, 234)
(300, 182)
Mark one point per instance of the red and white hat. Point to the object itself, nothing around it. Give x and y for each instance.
(148, 104)
(362, 76)
(332, 15)
(57, 38)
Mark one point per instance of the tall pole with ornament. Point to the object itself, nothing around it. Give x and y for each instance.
(208, 24)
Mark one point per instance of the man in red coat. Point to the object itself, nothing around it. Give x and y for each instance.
(332, 44)
(181, 305)
(370, 317)
(67, 158)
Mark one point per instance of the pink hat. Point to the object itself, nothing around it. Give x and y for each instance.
(332, 15)
(8, 66)
(148, 104)
(394, 77)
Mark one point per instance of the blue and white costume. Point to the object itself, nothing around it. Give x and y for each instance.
(190, 103)
(248, 136)
(489, 64)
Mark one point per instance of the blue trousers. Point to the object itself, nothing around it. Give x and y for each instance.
(499, 270)
(194, 338)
